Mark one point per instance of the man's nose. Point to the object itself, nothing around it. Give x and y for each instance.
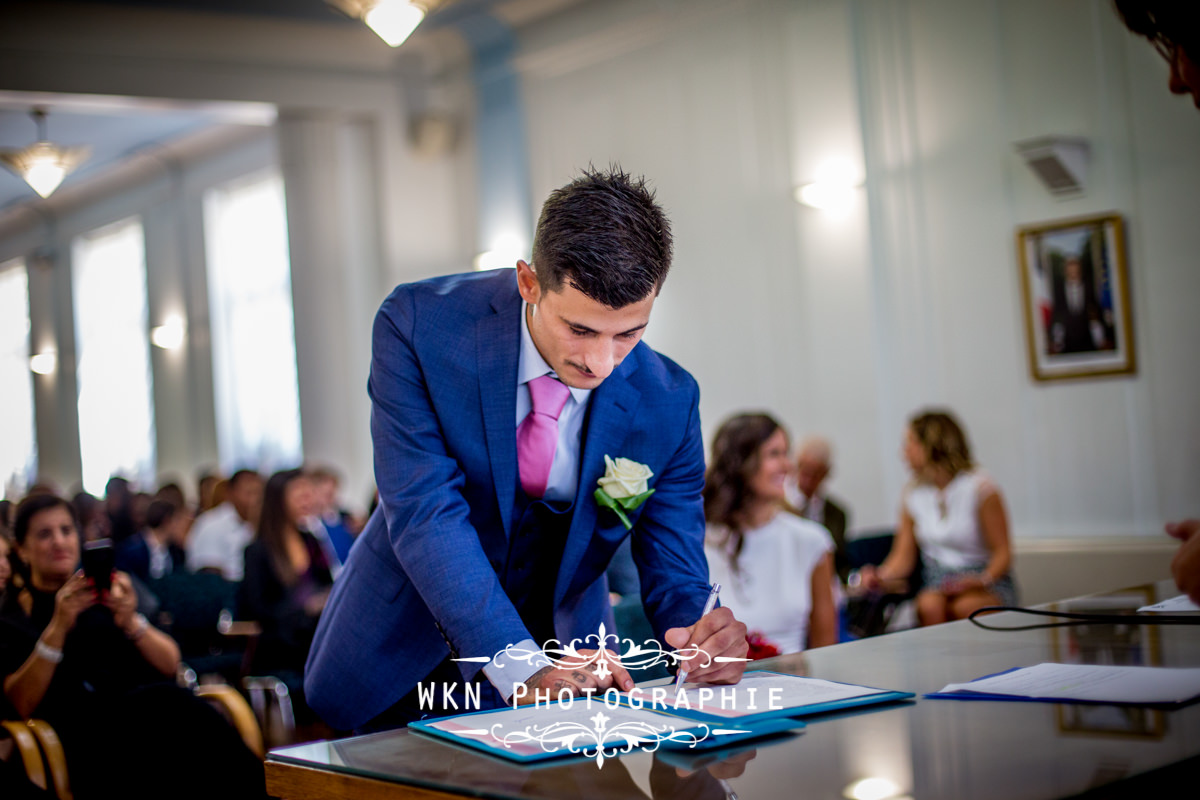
(601, 358)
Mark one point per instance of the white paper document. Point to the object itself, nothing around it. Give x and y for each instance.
(1172, 606)
(1088, 683)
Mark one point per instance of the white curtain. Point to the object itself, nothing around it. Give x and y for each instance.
(253, 337)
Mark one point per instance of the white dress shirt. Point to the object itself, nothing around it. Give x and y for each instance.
(218, 539)
(812, 508)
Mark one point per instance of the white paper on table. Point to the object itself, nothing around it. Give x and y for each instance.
(1175, 604)
(1098, 684)
(757, 692)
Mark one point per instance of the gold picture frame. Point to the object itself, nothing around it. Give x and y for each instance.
(1076, 300)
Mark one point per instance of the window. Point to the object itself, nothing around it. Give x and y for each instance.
(116, 410)
(18, 448)
(254, 344)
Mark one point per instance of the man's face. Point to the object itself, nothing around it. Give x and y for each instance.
(1072, 270)
(246, 497)
(581, 339)
(810, 472)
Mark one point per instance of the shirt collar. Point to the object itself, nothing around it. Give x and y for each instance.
(531, 364)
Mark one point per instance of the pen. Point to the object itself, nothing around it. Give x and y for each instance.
(709, 605)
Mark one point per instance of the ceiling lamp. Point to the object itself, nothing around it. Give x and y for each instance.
(392, 20)
(43, 165)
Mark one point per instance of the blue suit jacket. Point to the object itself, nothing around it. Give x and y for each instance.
(423, 577)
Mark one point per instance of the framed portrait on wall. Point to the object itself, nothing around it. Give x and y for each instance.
(1075, 286)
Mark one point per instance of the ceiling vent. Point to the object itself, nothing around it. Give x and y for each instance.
(1060, 162)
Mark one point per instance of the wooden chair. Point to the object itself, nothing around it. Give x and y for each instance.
(21, 738)
(235, 708)
(45, 762)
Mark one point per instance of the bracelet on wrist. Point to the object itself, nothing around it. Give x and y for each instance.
(139, 630)
(47, 653)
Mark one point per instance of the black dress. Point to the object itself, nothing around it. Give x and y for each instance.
(125, 727)
(279, 607)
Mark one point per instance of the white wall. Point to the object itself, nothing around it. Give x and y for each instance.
(848, 326)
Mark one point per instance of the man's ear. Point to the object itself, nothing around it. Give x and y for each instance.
(527, 283)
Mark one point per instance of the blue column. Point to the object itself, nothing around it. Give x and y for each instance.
(505, 202)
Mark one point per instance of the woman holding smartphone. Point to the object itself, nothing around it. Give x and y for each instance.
(86, 662)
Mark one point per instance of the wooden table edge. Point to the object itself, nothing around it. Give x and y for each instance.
(295, 782)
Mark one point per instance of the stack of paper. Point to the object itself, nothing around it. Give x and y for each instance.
(1083, 683)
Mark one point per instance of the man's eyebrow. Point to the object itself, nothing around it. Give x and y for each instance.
(586, 329)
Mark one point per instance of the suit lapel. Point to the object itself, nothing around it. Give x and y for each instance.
(613, 405)
(497, 350)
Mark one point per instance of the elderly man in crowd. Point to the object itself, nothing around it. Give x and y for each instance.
(808, 497)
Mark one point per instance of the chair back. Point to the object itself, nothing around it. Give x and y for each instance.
(190, 611)
(869, 547)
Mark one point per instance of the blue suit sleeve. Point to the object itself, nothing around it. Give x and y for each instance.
(420, 492)
(668, 538)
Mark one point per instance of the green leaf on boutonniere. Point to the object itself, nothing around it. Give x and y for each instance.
(620, 505)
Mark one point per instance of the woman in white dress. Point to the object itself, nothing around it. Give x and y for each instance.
(953, 514)
(775, 569)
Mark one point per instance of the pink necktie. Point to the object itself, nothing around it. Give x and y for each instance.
(537, 435)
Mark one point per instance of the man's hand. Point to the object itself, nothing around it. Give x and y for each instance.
(717, 633)
(576, 681)
(1185, 566)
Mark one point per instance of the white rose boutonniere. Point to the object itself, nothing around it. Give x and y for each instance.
(623, 487)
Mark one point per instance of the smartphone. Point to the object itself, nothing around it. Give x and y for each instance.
(98, 561)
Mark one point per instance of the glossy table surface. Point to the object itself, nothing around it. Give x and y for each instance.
(926, 749)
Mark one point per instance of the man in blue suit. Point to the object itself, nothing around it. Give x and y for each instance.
(466, 555)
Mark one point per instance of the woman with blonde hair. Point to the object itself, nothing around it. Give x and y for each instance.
(952, 513)
(775, 568)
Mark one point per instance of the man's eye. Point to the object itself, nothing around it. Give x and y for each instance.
(580, 331)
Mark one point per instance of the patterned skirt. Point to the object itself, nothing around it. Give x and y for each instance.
(933, 574)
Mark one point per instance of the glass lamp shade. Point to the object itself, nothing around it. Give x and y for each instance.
(394, 20)
(43, 165)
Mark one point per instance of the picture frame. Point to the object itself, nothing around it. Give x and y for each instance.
(1076, 298)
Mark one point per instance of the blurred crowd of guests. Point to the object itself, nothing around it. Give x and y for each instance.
(80, 653)
(778, 542)
(780, 547)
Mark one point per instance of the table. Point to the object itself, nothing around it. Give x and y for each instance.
(927, 749)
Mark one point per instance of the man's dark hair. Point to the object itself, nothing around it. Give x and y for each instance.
(117, 487)
(1170, 22)
(604, 234)
(241, 474)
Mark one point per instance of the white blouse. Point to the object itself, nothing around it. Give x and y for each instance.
(771, 591)
(946, 521)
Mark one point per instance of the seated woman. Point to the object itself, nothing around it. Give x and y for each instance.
(287, 579)
(954, 514)
(87, 663)
(775, 569)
